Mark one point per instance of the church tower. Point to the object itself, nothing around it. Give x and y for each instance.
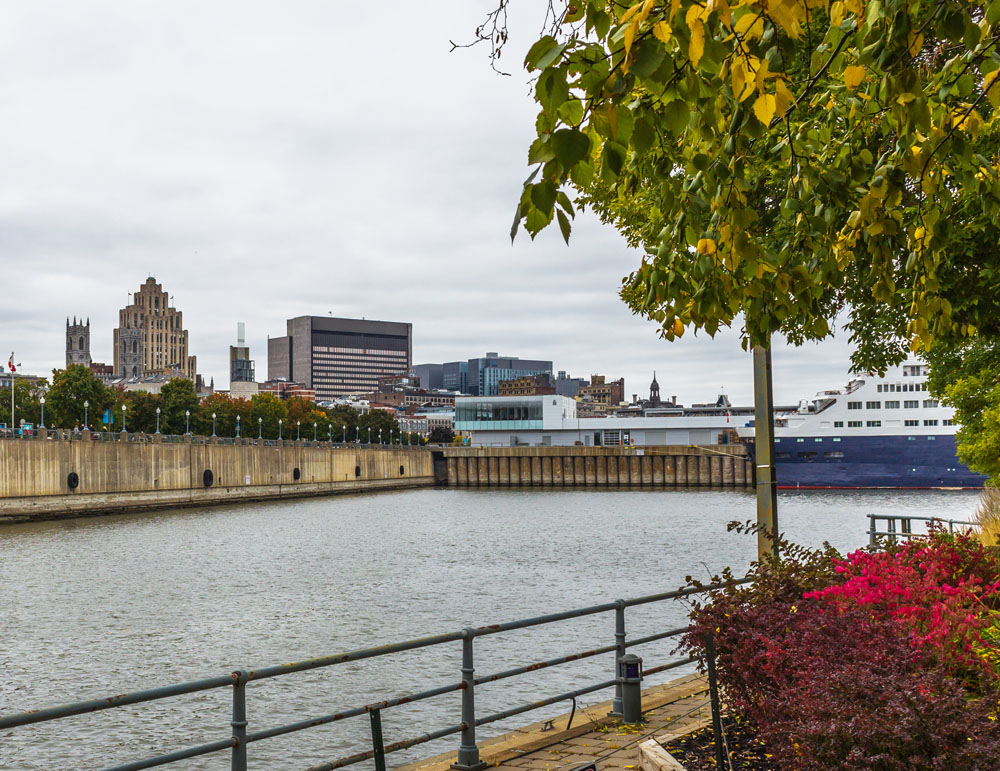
(654, 393)
(77, 342)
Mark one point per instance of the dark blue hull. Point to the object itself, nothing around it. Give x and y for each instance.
(870, 461)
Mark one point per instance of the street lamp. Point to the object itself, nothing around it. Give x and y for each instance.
(329, 431)
(213, 424)
(187, 422)
(157, 420)
(86, 404)
(380, 436)
(124, 408)
(41, 400)
(369, 434)
(357, 434)
(298, 430)
(260, 427)
(345, 433)
(237, 426)
(279, 428)
(314, 432)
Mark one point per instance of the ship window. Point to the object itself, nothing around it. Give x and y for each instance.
(873, 405)
(838, 424)
(874, 423)
(854, 405)
(800, 440)
(930, 403)
(777, 441)
(854, 424)
(911, 404)
(783, 455)
(911, 422)
(912, 438)
(808, 455)
(930, 422)
(892, 405)
(817, 439)
(931, 438)
(833, 454)
(836, 438)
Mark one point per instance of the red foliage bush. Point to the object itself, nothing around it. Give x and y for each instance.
(871, 662)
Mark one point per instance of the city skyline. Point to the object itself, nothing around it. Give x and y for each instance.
(257, 184)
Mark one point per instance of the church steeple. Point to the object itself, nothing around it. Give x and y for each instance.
(654, 392)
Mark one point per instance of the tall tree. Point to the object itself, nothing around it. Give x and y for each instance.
(178, 397)
(71, 387)
(782, 164)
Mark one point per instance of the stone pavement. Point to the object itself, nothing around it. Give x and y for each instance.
(675, 707)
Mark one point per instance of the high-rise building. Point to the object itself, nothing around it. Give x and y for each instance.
(430, 375)
(150, 338)
(78, 342)
(337, 357)
(241, 366)
(486, 373)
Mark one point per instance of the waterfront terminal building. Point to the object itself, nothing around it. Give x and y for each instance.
(552, 421)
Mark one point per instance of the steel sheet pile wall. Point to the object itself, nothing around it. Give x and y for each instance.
(669, 466)
(36, 476)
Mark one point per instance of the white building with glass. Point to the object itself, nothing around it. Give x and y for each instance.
(551, 420)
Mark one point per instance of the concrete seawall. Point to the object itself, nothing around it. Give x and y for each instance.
(42, 479)
(667, 466)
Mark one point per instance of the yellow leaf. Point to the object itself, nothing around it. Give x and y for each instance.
(631, 12)
(630, 31)
(662, 31)
(706, 246)
(696, 47)
(783, 98)
(675, 6)
(914, 43)
(749, 25)
(989, 83)
(741, 89)
(836, 13)
(764, 108)
(678, 328)
(853, 76)
(762, 74)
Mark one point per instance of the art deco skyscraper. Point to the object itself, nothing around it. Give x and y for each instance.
(150, 338)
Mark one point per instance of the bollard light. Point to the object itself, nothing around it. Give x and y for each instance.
(630, 676)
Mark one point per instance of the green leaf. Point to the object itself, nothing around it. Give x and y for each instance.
(543, 53)
(649, 55)
(563, 200)
(643, 135)
(614, 157)
(540, 151)
(564, 226)
(675, 117)
(543, 196)
(570, 146)
(552, 89)
(571, 111)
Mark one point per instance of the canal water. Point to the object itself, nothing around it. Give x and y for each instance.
(99, 606)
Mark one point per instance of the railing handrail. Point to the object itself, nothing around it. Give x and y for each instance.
(906, 526)
(239, 678)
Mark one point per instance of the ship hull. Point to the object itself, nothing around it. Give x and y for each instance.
(811, 462)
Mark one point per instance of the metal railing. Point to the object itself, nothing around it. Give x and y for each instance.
(468, 751)
(65, 434)
(905, 528)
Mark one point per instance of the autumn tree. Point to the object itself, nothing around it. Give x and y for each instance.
(781, 165)
(178, 397)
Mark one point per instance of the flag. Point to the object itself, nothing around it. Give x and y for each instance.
(10, 362)
(728, 415)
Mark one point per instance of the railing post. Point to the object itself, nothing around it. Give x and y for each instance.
(871, 530)
(239, 722)
(892, 529)
(468, 752)
(377, 744)
(616, 703)
(906, 525)
(713, 695)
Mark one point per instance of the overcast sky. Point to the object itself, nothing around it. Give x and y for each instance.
(268, 160)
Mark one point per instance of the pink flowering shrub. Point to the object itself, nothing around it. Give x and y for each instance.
(880, 660)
